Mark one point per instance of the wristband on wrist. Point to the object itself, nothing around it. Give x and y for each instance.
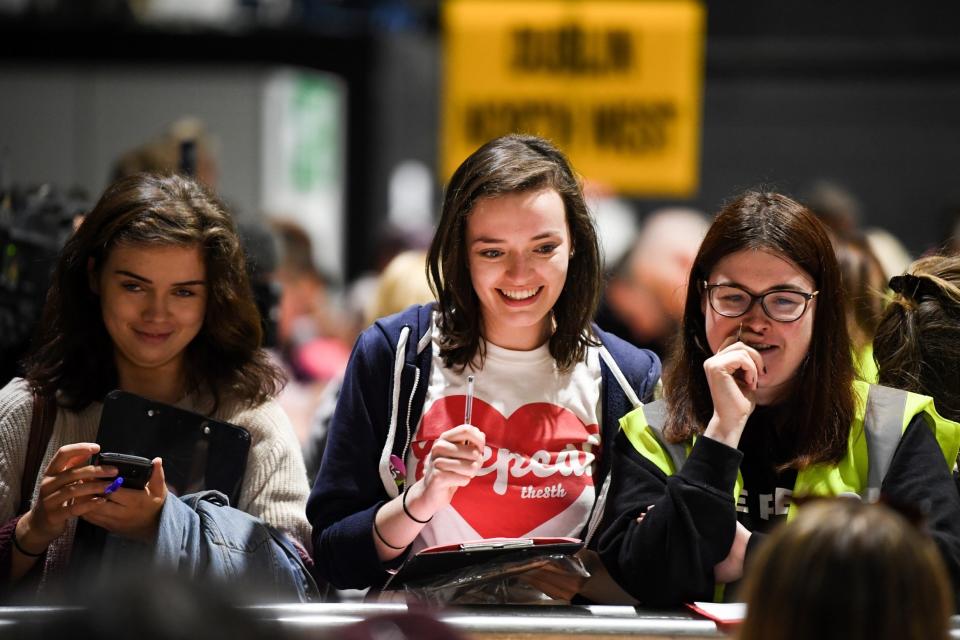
(407, 511)
(16, 543)
(382, 539)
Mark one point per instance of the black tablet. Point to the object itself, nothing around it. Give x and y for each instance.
(198, 452)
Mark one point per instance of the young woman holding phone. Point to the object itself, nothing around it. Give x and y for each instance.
(149, 296)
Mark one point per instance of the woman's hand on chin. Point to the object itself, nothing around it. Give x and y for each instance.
(732, 375)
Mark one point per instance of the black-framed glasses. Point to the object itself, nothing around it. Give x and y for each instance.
(782, 305)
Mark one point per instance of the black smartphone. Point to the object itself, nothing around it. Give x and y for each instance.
(134, 470)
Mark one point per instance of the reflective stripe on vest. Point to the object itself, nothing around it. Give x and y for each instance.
(881, 416)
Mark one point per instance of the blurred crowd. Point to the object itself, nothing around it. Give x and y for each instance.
(311, 320)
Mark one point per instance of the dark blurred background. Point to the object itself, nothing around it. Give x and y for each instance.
(320, 124)
(865, 95)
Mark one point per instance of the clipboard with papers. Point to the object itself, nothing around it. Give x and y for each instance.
(198, 452)
(441, 560)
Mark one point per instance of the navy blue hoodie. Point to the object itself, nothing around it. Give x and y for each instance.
(380, 403)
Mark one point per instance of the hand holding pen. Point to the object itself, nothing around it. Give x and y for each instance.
(455, 457)
(468, 409)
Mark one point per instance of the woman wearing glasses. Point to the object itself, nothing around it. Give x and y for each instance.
(761, 403)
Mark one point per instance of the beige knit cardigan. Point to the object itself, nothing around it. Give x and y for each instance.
(274, 488)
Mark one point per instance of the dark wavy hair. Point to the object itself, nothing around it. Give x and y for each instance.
(822, 400)
(506, 165)
(917, 343)
(73, 352)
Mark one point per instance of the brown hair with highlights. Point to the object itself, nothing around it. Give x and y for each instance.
(917, 343)
(822, 401)
(73, 351)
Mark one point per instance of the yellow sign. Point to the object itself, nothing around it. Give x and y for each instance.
(616, 84)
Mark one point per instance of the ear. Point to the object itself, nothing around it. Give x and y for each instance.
(93, 280)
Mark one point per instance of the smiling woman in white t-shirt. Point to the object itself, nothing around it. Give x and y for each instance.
(516, 267)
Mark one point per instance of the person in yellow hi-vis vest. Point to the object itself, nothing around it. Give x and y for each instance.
(760, 403)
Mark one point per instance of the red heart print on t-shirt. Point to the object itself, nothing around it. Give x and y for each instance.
(536, 463)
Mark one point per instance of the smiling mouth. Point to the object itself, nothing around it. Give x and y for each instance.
(153, 336)
(761, 347)
(520, 294)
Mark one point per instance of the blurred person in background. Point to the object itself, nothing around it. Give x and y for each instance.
(643, 298)
(840, 210)
(846, 570)
(403, 283)
(309, 329)
(889, 250)
(864, 284)
(183, 147)
(917, 344)
(166, 606)
(836, 207)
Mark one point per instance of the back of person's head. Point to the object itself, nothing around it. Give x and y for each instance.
(402, 283)
(847, 570)
(822, 398)
(151, 605)
(836, 206)
(414, 625)
(508, 165)
(917, 344)
(74, 350)
(889, 249)
(303, 288)
(184, 146)
(295, 249)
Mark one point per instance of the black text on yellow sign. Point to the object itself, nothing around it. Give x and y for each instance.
(617, 85)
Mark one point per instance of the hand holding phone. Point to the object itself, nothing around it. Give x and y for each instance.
(133, 472)
(130, 514)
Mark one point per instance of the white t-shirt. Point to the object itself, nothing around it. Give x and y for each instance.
(542, 435)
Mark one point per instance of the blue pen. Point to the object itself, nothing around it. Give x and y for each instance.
(113, 486)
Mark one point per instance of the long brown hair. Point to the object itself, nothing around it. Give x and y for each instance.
(917, 344)
(847, 570)
(822, 401)
(73, 352)
(506, 165)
